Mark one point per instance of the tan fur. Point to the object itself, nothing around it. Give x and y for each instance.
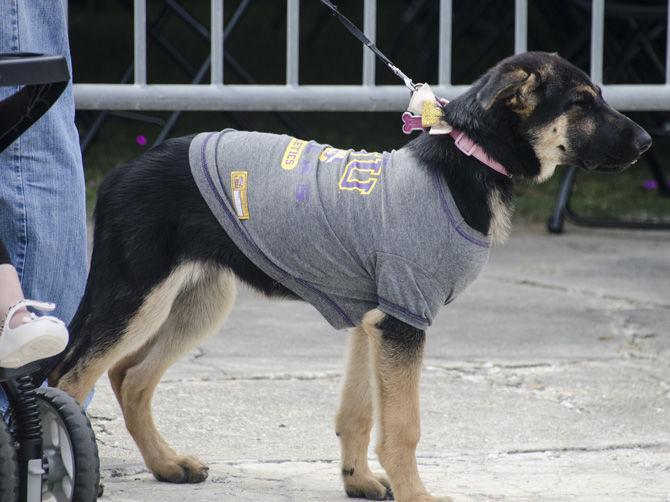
(511, 85)
(546, 71)
(511, 80)
(79, 381)
(501, 218)
(154, 311)
(354, 423)
(188, 306)
(395, 377)
(525, 101)
(546, 142)
(586, 126)
(197, 313)
(589, 89)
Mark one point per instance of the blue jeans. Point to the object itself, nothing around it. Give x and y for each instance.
(42, 192)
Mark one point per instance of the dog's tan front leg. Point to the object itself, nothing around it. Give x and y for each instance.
(354, 423)
(396, 353)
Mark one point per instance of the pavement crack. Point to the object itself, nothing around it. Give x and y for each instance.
(123, 471)
(580, 291)
(295, 376)
(277, 461)
(102, 429)
(326, 375)
(588, 449)
(471, 367)
(634, 335)
(101, 418)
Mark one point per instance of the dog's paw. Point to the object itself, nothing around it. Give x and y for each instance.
(368, 486)
(181, 470)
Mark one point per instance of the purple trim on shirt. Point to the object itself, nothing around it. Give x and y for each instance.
(408, 313)
(317, 291)
(234, 220)
(452, 217)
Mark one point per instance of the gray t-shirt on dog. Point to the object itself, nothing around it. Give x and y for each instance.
(347, 231)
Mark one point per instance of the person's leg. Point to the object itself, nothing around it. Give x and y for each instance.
(4, 255)
(24, 337)
(42, 196)
(10, 288)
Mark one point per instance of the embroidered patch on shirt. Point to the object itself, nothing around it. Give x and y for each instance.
(293, 153)
(238, 185)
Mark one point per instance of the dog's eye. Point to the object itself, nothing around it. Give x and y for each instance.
(580, 100)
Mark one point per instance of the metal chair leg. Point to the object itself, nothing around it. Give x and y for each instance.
(562, 210)
(555, 223)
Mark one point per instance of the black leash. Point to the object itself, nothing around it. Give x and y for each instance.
(353, 29)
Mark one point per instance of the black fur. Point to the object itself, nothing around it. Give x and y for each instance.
(401, 337)
(150, 216)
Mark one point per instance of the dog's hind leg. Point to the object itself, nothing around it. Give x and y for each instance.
(197, 312)
(396, 351)
(125, 337)
(354, 423)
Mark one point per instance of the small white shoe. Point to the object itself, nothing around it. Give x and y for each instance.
(37, 338)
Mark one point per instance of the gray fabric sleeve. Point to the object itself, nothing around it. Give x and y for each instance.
(407, 292)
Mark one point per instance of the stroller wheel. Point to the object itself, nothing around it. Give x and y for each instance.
(9, 468)
(69, 449)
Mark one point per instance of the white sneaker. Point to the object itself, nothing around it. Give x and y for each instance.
(37, 338)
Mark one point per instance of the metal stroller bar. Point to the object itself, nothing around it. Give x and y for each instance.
(44, 78)
(41, 469)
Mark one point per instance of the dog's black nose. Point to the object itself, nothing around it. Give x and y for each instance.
(642, 140)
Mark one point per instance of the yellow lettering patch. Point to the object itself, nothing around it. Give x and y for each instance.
(238, 186)
(293, 153)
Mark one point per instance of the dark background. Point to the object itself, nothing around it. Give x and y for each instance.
(407, 31)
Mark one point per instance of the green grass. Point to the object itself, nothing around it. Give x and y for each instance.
(598, 195)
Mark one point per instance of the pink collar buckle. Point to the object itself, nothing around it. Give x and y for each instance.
(467, 145)
(459, 139)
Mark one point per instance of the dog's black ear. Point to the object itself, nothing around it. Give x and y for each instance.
(503, 84)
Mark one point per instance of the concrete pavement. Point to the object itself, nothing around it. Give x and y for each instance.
(549, 379)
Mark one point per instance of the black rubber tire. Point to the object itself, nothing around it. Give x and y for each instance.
(82, 440)
(9, 467)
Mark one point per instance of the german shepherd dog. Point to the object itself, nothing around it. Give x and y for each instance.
(163, 271)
